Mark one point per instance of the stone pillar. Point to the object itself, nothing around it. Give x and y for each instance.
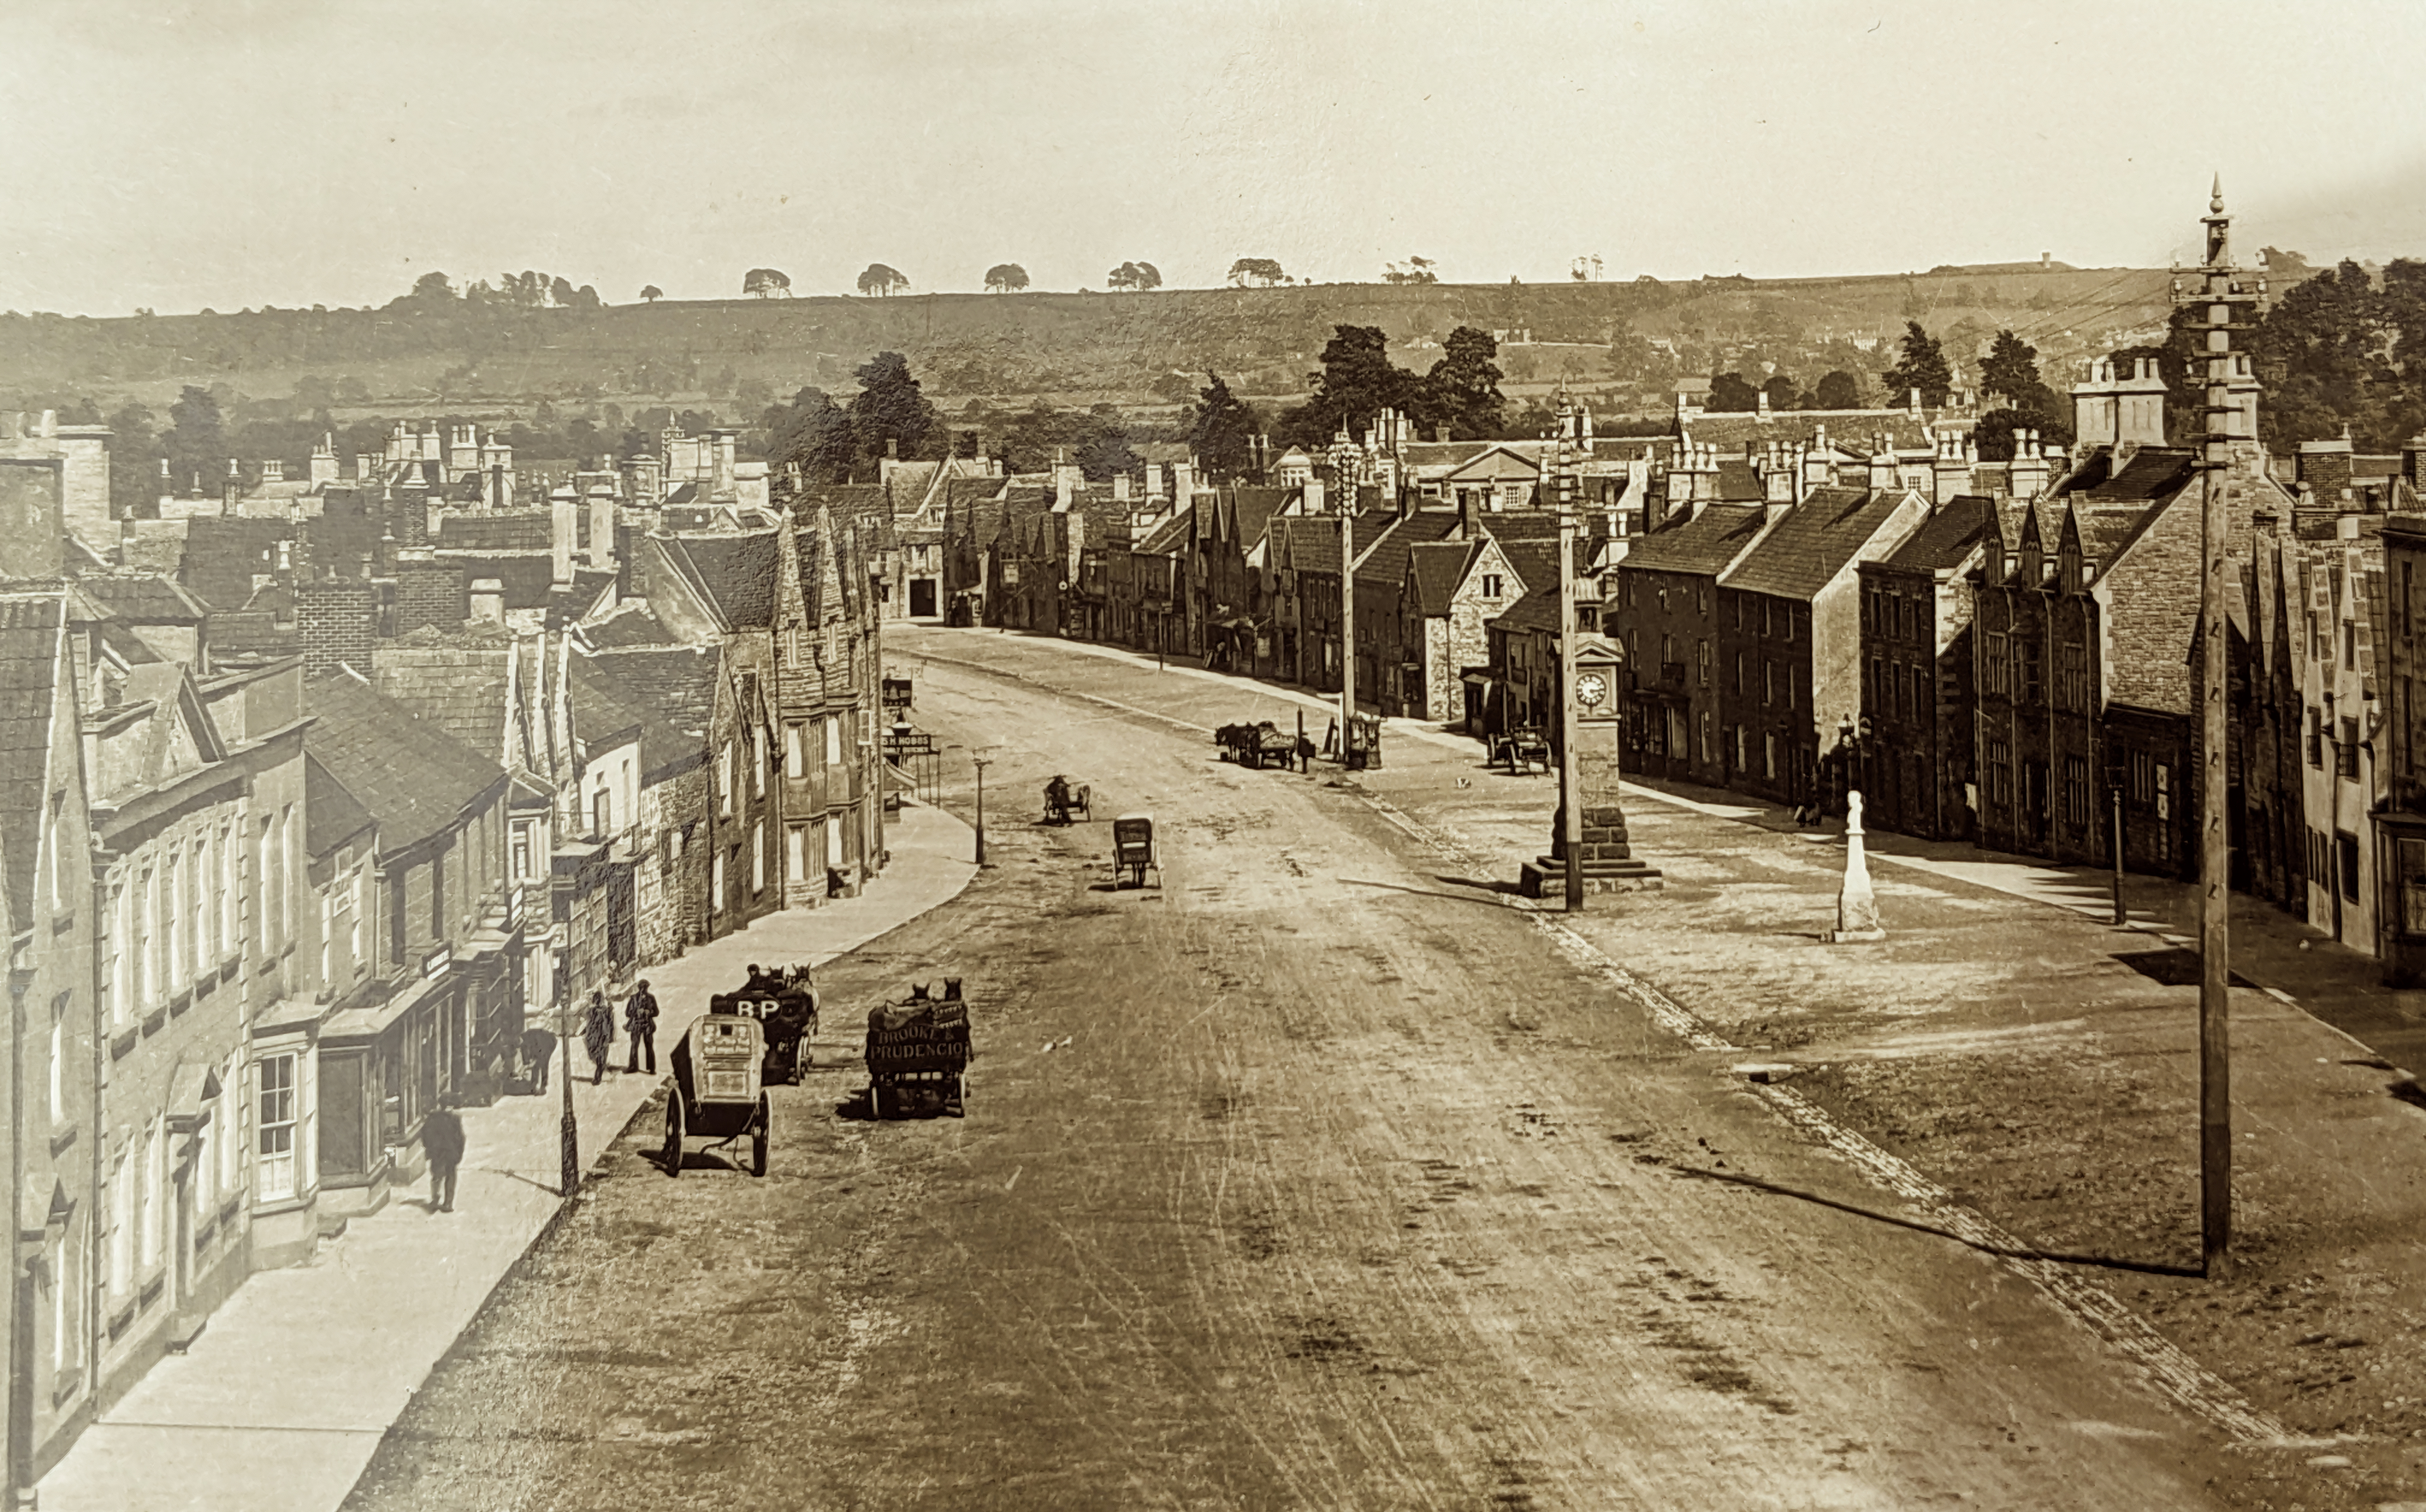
(1610, 864)
(1857, 907)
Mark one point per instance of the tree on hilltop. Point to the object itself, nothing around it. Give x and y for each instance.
(766, 283)
(1005, 278)
(1135, 275)
(880, 280)
(650, 293)
(1261, 271)
(1415, 270)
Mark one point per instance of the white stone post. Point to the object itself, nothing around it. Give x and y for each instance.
(1857, 907)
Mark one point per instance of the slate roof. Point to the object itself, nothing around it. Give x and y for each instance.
(331, 813)
(454, 679)
(1707, 544)
(144, 598)
(496, 530)
(1814, 541)
(2149, 472)
(411, 776)
(29, 634)
(1314, 540)
(1253, 506)
(1856, 429)
(628, 626)
(1945, 537)
(223, 555)
(1538, 610)
(600, 687)
(678, 682)
(1535, 562)
(736, 572)
(1385, 563)
(1440, 566)
(1172, 532)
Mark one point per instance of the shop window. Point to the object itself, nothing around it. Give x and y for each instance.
(2410, 857)
(274, 1117)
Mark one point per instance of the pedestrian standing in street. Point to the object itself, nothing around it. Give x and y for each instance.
(538, 1048)
(442, 1140)
(640, 1023)
(598, 1035)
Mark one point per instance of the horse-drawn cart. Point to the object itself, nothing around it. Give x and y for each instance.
(1133, 850)
(715, 1092)
(784, 1003)
(1066, 801)
(918, 1054)
(1259, 745)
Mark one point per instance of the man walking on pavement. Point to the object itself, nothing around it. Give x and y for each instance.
(598, 1035)
(538, 1048)
(442, 1140)
(640, 1023)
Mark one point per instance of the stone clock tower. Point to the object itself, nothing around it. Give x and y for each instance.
(1596, 684)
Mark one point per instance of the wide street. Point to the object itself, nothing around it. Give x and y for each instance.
(1311, 1178)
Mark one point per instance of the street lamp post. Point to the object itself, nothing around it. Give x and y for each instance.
(982, 762)
(569, 1129)
(2114, 791)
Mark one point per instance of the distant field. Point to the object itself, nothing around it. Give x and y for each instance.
(1071, 349)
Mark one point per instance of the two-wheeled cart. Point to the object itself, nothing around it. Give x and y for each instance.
(716, 1092)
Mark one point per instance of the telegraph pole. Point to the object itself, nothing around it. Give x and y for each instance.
(2220, 293)
(1571, 827)
(1345, 470)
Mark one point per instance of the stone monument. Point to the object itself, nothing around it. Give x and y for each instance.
(1610, 864)
(1857, 907)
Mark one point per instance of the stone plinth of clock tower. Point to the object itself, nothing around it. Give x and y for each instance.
(1610, 864)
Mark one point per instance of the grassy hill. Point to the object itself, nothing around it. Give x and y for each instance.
(1624, 344)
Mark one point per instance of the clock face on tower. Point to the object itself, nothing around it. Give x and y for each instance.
(1590, 689)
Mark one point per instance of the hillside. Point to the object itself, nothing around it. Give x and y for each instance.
(1623, 343)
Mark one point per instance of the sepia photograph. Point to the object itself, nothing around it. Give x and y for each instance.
(1267, 756)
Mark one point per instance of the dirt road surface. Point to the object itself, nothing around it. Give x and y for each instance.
(1306, 1179)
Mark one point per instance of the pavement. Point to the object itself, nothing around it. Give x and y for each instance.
(281, 1402)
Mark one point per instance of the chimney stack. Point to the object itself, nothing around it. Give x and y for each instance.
(564, 522)
(489, 601)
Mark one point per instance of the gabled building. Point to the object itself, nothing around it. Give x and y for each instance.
(442, 1005)
(1913, 752)
(1680, 689)
(1790, 617)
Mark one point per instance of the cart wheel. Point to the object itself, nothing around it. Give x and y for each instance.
(672, 1153)
(758, 1143)
(960, 1095)
(876, 1101)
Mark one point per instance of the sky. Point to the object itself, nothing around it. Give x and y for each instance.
(181, 155)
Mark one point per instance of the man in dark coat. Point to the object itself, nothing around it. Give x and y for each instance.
(640, 1023)
(598, 1035)
(442, 1140)
(538, 1048)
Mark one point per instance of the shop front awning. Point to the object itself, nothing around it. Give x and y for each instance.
(372, 1019)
